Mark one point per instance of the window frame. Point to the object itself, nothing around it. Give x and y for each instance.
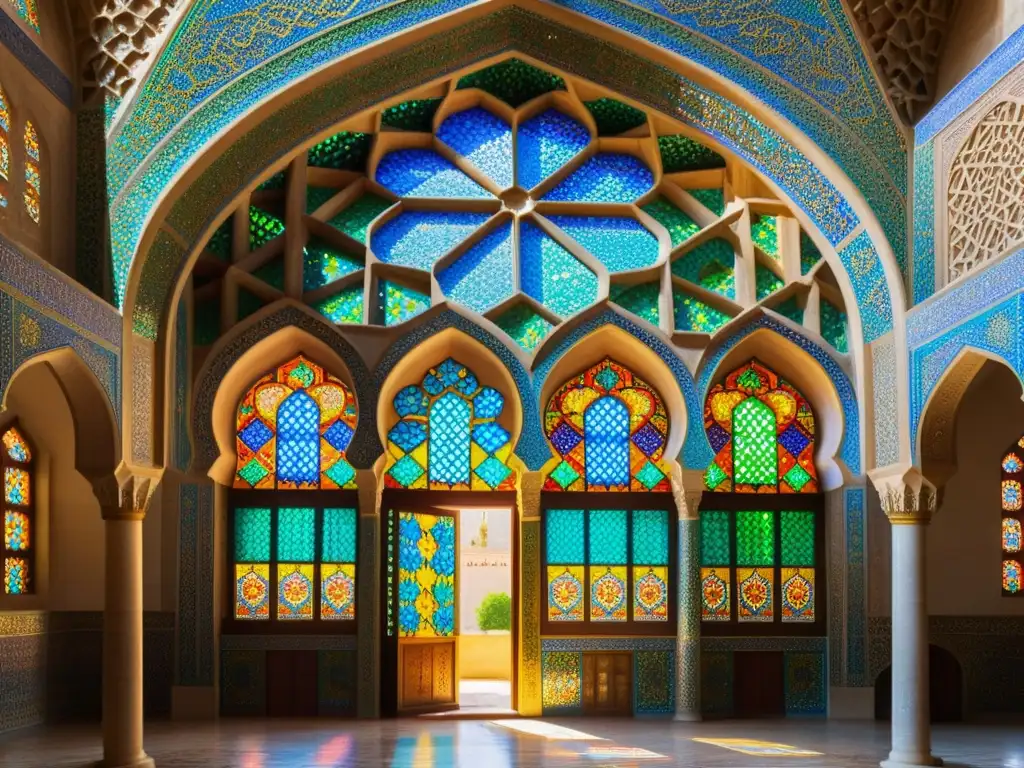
(775, 503)
(630, 501)
(275, 500)
(29, 555)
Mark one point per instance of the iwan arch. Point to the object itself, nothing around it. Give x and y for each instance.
(617, 280)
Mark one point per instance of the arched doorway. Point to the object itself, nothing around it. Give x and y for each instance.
(945, 688)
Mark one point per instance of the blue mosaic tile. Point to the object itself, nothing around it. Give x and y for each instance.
(424, 173)
(483, 276)
(483, 139)
(419, 238)
(620, 244)
(551, 275)
(544, 144)
(869, 286)
(607, 177)
(924, 222)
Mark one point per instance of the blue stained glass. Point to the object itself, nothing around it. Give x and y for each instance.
(492, 472)
(256, 435)
(298, 439)
(608, 536)
(483, 139)
(296, 534)
(563, 534)
(606, 431)
(488, 403)
(419, 238)
(620, 244)
(553, 276)
(544, 144)
(452, 374)
(793, 440)
(407, 435)
(605, 178)
(449, 440)
(650, 537)
(339, 435)
(252, 535)
(339, 535)
(424, 173)
(490, 436)
(411, 401)
(482, 277)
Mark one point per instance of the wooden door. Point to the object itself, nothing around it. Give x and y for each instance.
(428, 618)
(758, 684)
(608, 684)
(291, 683)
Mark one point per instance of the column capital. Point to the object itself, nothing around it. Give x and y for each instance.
(127, 493)
(687, 488)
(908, 497)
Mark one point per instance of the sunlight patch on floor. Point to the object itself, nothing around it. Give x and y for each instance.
(760, 748)
(546, 730)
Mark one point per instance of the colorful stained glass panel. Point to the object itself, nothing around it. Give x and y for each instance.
(606, 436)
(1011, 495)
(1011, 576)
(608, 593)
(17, 534)
(252, 534)
(797, 528)
(714, 538)
(294, 591)
(565, 592)
(754, 589)
(714, 594)
(1011, 463)
(754, 449)
(16, 486)
(339, 535)
(562, 680)
(564, 536)
(16, 576)
(296, 533)
(797, 594)
(608, 529)
(16, 446)
(426, 575)
(1011, 534)
(755, 538)
(650, 537)
(252, 591)
(650, 594)
(338, 591)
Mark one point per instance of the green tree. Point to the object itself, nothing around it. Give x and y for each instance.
(495, 612)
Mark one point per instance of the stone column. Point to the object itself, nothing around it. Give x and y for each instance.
(909, 501)
(528, 654)
(687, 486)
(123, 503)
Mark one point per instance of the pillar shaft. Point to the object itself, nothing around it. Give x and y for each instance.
(688, 623)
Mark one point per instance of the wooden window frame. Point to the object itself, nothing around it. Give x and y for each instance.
(775, 503)
(28, 555)
(275, 500)
(630, 501)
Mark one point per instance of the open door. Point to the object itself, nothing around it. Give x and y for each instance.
(426, 605)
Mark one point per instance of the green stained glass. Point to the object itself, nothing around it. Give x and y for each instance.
(790, 308)
(714, 538)
(513, 81)
(680, 153)
(613, 117)
(809, 253)
(274, 182)
(252, 535)
(642, 300)
(710, 265)
(355, 220)
(691, 314)
(317, 196)
(797, 529)
(564, 536)
(323, 264)
(712, 199)
(346, 307)
(345, 151)
(755, 538)
(714, 476)
(764, 230)
(220, 243)
(296, 533)
(650, 537)
(524, 325)
(750, 379)
(833, 325)
(754, 458)
(767, 282)
(412, 115)
(400, 302)
(339, 535)
(680, 226)
(607, 529)
(248, 303)
(263, 227)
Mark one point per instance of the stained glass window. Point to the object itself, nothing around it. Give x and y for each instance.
(33, 180)
(759, 566)
(426, 575)
(762, 432)
(293, 428)
(19, 514)
(606, 566)
(608, 429)
(449, 434)
(5, 147)
(1011, 466)
(28, 10)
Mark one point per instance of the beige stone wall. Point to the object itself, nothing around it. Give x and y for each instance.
(977, 27)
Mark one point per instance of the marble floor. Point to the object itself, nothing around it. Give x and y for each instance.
(514, 743)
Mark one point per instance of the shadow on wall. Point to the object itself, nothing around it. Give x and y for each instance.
(945, 688)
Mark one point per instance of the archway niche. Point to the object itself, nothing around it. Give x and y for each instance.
(945, 688)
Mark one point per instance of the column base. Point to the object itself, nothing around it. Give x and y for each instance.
(143, 762)
(910, 761)
(687, 717)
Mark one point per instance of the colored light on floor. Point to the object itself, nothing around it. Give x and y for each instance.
(759, 748)
(621, 753)
(546, 730)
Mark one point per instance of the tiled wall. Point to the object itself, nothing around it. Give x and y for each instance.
(22, 669)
